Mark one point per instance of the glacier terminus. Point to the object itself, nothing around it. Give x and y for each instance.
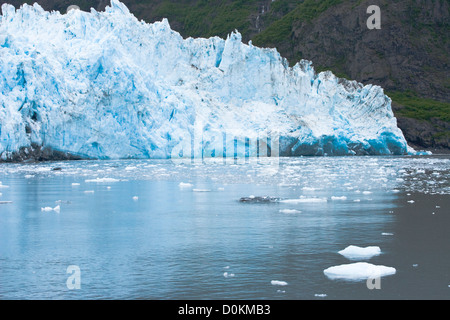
(104, 85)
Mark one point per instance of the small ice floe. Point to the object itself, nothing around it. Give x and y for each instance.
(358, 253)
(320, 295)
(29, 176)
(357, 200)
(290, 211)
(338, 198)
(3, 186)
(130, 168)
(75, 184)
(101, 180)
(415, 265)
(227, 267)
(57, 209)
(395, 191)
(220, 189)
(184, 185)
(367, 192)
(89, 191)
(308, 189)
(438, 207)
(387, 234)
(278, 283)
(228, 275)
(303, 200)
(358, 271)
(411, 201)
(135, 198)
(281, 291)
(201, 190)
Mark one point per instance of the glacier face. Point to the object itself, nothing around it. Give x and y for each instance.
(106, 85)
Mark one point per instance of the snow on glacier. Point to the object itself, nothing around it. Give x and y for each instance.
(106, 85)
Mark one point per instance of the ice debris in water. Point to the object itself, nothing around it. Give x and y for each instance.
(290, 211)
(357, 253)
(101, 180)
(338, 198)
(47, 209)
(107, 85)
(278, 283)
(228, 275)
(358, 271)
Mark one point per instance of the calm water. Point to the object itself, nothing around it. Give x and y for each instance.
(200, 242)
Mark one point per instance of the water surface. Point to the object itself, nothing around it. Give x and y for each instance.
(140, 235)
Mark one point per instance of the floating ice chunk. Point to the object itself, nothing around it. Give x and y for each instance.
(357, 200)
(29, 176)
(387, 234)
(135, 198)
(75, 184)
(184, 185)
(278, 283)
(89, 191)
(3, 186)
(411, 201)
(358, 271)
(308, 189)
(48, 209)
(338, 198)
(320, 295)
(303, 200)
(227, 275)
(357, 253)
(102, 180)
(367, 192)
(395, 191)
(289, 211)
(201, 190)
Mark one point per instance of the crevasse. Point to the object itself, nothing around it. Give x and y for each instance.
(106, 85)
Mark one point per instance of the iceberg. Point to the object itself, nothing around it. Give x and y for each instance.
(358, 271)
(278, 283)
(357, 253)
(105, 85)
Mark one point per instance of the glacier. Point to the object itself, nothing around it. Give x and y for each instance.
(105, 85)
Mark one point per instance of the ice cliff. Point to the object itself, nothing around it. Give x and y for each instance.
(106, 85)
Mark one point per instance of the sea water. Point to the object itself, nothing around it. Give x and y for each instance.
(161, 229)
